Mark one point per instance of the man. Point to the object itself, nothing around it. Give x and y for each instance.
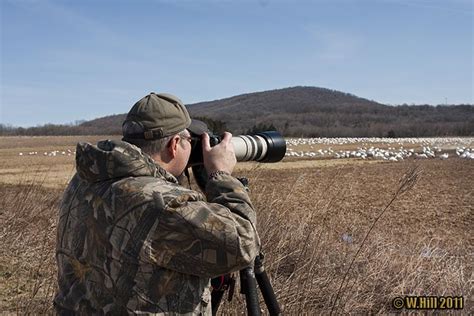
(130, 239)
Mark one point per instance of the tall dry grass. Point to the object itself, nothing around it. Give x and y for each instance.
(332, 240)
(28, 233)
(333, 245)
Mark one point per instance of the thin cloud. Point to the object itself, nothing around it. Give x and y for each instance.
(453, 6)
(69, 18)
(334, 45)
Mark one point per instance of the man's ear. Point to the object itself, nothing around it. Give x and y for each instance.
(173, 146)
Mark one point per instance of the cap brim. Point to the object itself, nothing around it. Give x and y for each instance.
(198, 127)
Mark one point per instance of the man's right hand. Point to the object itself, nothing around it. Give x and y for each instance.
(221, 157)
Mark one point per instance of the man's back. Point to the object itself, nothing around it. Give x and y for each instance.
(132, 240)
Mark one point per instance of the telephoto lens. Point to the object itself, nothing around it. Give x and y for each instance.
(267, 146)
(262, 147)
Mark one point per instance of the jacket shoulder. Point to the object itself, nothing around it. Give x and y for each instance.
(151, 188)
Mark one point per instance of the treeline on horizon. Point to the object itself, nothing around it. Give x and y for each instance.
(386, 121)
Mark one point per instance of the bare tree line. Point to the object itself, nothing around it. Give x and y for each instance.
(298, 112)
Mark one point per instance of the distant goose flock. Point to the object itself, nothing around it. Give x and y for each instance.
(368, 148)
(421, 148)
(53, 153)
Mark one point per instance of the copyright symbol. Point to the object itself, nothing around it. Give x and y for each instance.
(398, 302)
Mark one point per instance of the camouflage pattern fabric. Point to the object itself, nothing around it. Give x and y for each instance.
(131, 240)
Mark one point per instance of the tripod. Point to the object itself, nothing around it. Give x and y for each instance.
(248, 286)
(249, 278)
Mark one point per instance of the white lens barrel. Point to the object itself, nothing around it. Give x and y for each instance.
(249, 148)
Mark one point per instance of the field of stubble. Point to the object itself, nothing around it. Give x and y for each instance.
(331, 243)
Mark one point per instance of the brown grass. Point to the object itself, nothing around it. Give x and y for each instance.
(27, 264)
(421, 244)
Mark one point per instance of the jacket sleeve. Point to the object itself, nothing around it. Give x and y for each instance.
(206, 239)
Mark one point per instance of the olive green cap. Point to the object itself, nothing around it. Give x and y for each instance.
(156, 116)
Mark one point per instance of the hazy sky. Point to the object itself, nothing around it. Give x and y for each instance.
(68, 60)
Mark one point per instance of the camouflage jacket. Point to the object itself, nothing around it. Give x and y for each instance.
(131, 240)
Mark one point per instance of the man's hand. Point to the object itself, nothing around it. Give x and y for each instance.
(220, 157)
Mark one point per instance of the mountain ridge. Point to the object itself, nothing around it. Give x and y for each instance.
(303, 111)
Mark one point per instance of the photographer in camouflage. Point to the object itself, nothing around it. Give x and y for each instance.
(131, 239)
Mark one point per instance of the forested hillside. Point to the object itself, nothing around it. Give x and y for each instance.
(301, 111)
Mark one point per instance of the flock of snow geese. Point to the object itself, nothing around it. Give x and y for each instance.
(395, 149)
(53, 153)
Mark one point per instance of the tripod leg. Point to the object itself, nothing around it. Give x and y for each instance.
(216, 298)
(266, 287)
(248, 286)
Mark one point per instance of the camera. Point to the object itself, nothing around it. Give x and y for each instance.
(267, 146)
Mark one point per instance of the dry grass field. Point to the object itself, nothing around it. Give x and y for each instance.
(331, 243)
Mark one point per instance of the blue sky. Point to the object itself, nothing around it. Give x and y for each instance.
(65, 60)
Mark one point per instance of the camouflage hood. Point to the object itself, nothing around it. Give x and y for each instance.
(111, 159)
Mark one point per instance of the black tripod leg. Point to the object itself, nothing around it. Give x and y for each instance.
(248, 286)
(266, 287)
(216, 298)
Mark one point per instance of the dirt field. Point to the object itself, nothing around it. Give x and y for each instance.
(331, 243)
